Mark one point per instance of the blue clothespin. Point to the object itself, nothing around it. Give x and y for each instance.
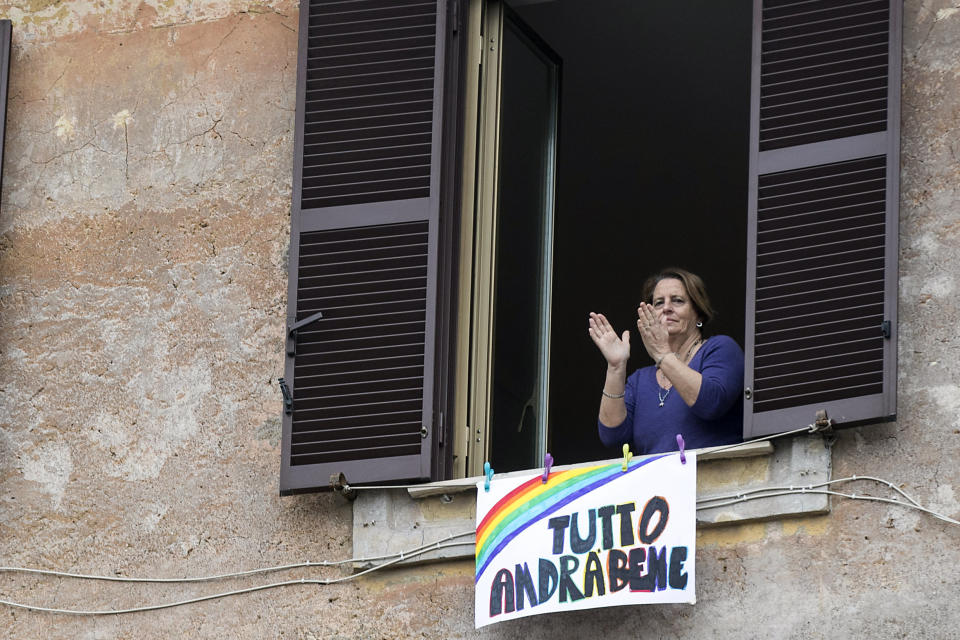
(680, 446)
(547, 463)
(487, 471)
(626, 456)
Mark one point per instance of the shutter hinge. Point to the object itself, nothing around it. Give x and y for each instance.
(455, 15)
(287, 398)
(885, 328)
(338, 482)
(822, 424)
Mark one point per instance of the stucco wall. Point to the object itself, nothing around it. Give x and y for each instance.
(143, 235)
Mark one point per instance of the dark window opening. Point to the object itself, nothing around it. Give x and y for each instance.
(652, 171)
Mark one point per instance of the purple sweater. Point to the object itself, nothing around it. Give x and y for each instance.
(716, 417)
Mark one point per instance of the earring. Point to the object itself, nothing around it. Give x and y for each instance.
(699, 323)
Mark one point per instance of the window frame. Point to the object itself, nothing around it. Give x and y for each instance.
(457, 394)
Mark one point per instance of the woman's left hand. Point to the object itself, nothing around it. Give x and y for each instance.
(653, 332)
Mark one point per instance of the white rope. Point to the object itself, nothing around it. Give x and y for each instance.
(392, 559)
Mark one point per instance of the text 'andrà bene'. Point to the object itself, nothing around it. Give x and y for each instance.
(605, 560)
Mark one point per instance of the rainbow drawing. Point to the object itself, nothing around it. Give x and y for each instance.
(533, 501)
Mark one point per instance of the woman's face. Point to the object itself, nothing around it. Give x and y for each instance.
(673, 307)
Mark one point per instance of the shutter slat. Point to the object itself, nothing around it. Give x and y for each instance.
(836, 351)
(804, 50)
(825, 305)
(384, 342)
(815, 365)
(828, 393)
(819, 272)
(314, 430)
(346, 12)
(814, 241)
(803, 320)
(826, 249)
(388, 427)
(415, 154)
(355, 454)
(817, 226)
(358, 379)
(379, 442)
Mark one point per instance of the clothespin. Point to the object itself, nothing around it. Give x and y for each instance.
(626, 456)
(487, 471)
(547, 463)
(680, 446)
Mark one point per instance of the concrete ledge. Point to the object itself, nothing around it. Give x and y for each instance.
(389, 521)
(798, 461)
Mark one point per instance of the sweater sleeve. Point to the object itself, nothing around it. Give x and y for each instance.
(722, 371)
(616, 435)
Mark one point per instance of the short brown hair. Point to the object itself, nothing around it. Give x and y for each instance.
(692, 284)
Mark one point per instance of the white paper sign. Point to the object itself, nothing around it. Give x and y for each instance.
(590, 537)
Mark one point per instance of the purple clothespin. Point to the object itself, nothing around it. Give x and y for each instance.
(680, 445)
(488, 472)
(547, 463)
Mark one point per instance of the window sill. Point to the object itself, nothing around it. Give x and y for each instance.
(393, 520)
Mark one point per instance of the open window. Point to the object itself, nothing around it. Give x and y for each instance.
(473, 177)
(651, 166)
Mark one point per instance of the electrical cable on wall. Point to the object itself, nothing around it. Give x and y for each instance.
(446, 542)
(392, 559)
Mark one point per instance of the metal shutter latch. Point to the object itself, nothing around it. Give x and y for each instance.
(292, 332)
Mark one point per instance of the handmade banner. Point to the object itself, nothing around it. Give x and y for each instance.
(589, 537)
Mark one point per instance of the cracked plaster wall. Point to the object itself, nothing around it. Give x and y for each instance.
(143, 235)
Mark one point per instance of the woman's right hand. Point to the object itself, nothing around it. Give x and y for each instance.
(615, 349)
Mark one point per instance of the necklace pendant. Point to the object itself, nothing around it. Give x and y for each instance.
(661, 403)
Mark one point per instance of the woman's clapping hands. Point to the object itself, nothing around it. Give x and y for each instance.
(616, 349)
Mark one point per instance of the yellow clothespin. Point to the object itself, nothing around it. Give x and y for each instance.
(626, 456)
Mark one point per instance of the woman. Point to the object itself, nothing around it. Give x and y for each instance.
(694, 386)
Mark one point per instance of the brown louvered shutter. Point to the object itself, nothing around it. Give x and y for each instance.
(6, 32)
(823, 202)
(364, 233)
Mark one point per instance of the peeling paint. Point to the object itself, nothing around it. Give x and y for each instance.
(816, 526)
(731, 535)
(138, 444)
(122, 119)
(946, 501)
(947, 398)
(66, 128)
(49, 464)
(943, 14)
(724, 474)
